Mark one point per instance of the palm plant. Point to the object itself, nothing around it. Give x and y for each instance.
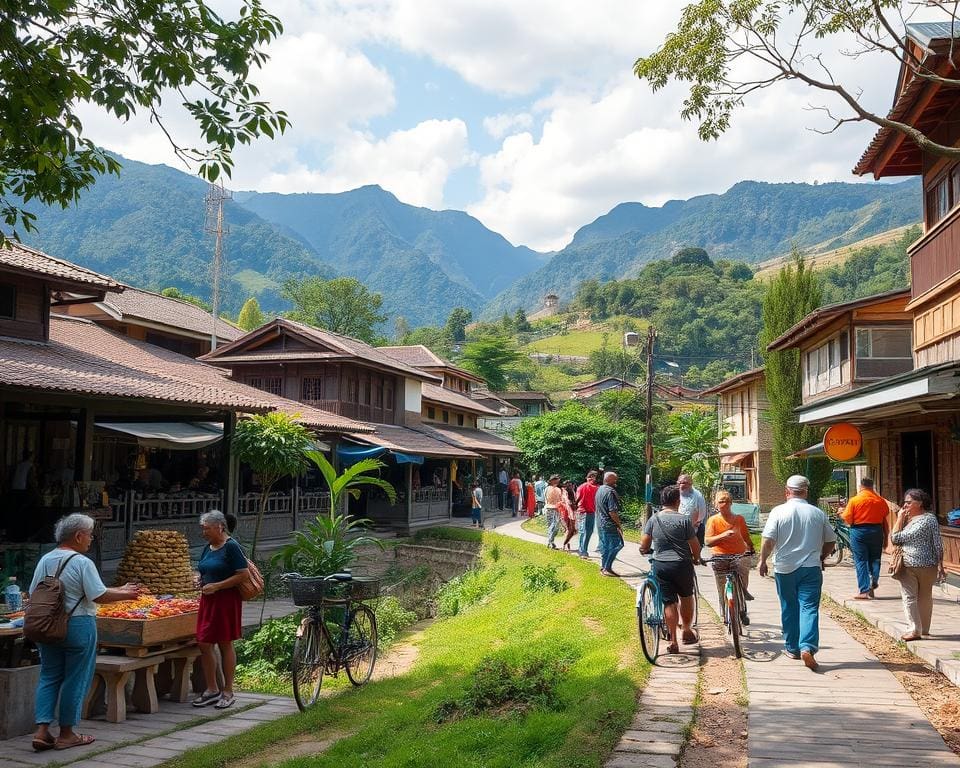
(694, 440)
(328, 544)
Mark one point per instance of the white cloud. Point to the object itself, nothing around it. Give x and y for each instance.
(500, 125)
(414, 164)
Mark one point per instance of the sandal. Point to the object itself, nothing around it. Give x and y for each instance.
(42, 745)
(82, 741)
(206, 699)
(226, 700)
(673, 648)
(690, 637)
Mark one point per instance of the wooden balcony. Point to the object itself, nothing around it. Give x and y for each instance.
(356, 411)
(935, 257)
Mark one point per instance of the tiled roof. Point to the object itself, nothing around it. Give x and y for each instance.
(492, 401)
(415, 441)
(508, 396)
(436, 394)
(420, 356)
(18, 257)
(155, 308)
(471, 439)
(266, 357)
(87, 359)
(345, 345)
(734, 381)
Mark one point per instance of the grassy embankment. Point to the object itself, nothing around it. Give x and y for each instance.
(393, 722)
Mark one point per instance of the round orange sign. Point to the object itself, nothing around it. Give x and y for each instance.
(842, 442)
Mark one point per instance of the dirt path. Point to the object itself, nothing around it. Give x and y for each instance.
(719, 735)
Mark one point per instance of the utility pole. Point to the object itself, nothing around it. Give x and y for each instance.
(648, 485)
(216, 195)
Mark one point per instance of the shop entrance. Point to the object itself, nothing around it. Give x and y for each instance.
(916, 448)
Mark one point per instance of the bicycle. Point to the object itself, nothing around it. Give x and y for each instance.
(733, 606)
(325, 647)
(842, 530)
(650, 622)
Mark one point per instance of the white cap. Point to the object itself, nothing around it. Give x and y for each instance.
(798, 483)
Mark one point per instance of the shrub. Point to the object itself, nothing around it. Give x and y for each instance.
(263, 659)
(494, 552)
(466, 590)
(392, 618)
(510, 681)
(631, 513)
(542, 578)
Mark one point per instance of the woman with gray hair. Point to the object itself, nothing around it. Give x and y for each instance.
(66, 669)
(223, 566)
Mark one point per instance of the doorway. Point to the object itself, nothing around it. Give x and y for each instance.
(916, 448)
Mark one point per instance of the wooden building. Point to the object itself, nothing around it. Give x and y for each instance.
(96, 420)
(742, 405)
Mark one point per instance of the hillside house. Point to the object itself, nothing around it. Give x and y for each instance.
(519, 406)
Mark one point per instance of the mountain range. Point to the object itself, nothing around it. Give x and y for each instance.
(147, 227)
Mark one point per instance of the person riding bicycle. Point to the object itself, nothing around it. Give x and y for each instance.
(726, 534)
(673, 540)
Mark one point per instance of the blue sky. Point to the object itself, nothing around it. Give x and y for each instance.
(526, 115)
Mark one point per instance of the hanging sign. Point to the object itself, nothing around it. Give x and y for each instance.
(842, 442)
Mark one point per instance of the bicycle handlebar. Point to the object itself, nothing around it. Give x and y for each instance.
(332, 577)
(727, 558)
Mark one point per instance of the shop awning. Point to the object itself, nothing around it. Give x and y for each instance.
(734, 458)
(172, 435)
(411, 445)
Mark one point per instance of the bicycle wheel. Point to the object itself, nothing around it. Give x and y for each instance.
(361, 645)
(310, 652)
(649, 622)
(834, 558)
(696, 599)
(733, 619)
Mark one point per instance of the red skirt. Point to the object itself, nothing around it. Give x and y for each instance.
(219, 618)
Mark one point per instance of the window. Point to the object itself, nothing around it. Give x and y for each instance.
(431, 412)
(446, 417)
(8, 302)
(460, 419)
(311, 388)
(938, 200)
(883, 352)
(823, 365)
(271, 384)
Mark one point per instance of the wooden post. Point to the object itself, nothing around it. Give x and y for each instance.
(230, 468)
(83, 469)
(450, 489)
(409, 495)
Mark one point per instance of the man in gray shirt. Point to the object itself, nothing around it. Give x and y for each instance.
(608, 523)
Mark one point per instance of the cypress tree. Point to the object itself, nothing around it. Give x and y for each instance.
(250, 317)
(792, 295)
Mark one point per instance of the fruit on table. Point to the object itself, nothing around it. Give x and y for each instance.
(160, 560)
(148, 607)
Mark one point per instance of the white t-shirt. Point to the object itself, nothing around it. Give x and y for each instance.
(800, 530)
(79, 578)
(477, 497)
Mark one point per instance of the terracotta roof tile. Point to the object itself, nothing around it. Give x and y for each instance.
(19, 257)
(415, 441)
(155, 308)
(420, 356)
(437, 394)
(471, 439)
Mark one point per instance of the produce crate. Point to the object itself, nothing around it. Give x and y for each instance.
(146, 632)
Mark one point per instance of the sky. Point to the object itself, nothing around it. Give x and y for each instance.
(524, 114)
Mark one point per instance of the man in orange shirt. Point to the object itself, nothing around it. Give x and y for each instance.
(866, 514)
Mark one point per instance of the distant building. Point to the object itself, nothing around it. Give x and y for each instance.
(551, 305)
(518, 406)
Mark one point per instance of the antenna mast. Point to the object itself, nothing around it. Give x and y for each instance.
(216, 195)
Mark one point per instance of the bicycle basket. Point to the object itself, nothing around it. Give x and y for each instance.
(308, 590)
(314, 590)
(723, 565)
(364, 588)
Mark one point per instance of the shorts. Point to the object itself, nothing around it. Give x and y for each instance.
(675, 578)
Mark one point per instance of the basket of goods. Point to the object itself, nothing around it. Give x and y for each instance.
(159, 560)
(147, 621)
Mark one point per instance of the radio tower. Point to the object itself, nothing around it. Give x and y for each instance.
(215, 198)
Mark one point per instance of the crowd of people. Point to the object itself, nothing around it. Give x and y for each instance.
(67, 667)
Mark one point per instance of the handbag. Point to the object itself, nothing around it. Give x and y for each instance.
(896, 562)
(251, 587)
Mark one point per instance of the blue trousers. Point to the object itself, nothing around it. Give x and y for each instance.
(800, 608)
(66, 671)
(866, 544)
(586, 522)
(610, 544)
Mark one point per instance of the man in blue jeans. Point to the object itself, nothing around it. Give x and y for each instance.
(608, 523)
(802, 536)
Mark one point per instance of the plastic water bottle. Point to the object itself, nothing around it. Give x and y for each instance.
(12, 595)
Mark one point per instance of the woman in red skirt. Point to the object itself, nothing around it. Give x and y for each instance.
(222, 567)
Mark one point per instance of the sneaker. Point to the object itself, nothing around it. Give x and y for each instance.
(795, 655)
(206, 699)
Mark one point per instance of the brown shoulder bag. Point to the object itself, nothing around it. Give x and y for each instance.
(45, 617)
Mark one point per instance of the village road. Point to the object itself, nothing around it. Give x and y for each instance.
(852, 712)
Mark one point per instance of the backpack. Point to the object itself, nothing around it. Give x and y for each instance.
(252, 587)
(45, 618)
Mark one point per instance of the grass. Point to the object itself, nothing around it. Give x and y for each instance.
(254, 282)
(539, 525)
(554, 381)
(394, 722)
(580, 343)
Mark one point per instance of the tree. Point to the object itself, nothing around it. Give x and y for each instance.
(792, 295)
(433, 338)
(342, 305)
(125, 58)
(495, 359)
(400, 329)
(176, 293)
(457, 321)
(606, 361)
(574, 439)
(627, 404)
(520, 322)
(250, 317)
(695, 256)
(693, 442)
(274, 446)
(728, 49)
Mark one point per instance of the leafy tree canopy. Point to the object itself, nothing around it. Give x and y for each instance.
(693, 441)
(342, 305)
(176, 293)
(728, 49)
(251, 317)
(125, 58)
(456, 327)
(572, 440)
(494, 358)
(696, 256)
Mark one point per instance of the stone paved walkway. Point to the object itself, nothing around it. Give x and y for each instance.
(850, 713)
(143, 741)
(941, 651)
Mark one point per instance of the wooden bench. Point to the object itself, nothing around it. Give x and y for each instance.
(112, 674)
(173, 678)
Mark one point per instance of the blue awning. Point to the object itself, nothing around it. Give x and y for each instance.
(351, 454)
(407, 458)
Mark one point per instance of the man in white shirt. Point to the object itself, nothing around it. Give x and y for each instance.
(802, 536)
(539, 491)
(693, 505)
